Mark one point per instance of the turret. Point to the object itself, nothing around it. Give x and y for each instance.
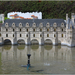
(66, 22)
(72, 17)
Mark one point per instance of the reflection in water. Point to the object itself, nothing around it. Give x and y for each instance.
(48, 47)
(21, 47)
(47, 58)
(7, 47)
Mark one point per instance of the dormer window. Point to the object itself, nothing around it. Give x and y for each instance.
(6, 24)
(34, 24)
(41, 25)
(55, 25)
(27, 24)
(13, 24)
(62, 24)
(20, 24)
(47, 25)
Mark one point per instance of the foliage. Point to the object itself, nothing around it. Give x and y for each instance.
(49, 9)
(5, 18)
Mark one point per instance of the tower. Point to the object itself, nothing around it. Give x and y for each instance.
(2, 18)
(72, 17)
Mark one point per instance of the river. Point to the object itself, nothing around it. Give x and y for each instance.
(45, 59)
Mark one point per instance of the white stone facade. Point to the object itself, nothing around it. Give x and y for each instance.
(25, 15)
(55, 30)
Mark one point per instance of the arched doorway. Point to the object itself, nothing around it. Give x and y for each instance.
(34, 42)
(7, 42)
(48, 42)
(21, 42)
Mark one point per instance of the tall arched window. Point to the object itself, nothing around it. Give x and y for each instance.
(40, 30)
(62, 35)
(54, 35)
(47, 29)
(33, 35)
(34, 30)
(40, 35)
(47, 35)
(13, 35)
(6, 35)
(54, 29)
(62, 29)
(27, 30)
(0, 34)
(20, 30)
(27, 35)
(20, 35)
(6, 30)
(13, 30)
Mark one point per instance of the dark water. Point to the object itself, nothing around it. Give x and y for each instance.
(46, 59)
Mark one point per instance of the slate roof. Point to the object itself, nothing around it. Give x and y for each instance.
(31, 21)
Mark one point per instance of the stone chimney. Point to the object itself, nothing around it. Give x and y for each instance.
(2, 18)
(72, 17)
(66, 17)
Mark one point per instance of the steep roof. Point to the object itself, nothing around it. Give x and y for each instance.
(31, 21)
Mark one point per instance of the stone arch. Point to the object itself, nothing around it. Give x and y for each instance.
(21, 41)
(7, 42)
(34, 42)
(48, 42)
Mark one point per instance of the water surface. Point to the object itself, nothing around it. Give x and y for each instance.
(46, 59)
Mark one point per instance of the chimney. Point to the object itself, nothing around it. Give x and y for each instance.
(72, 17)
(66, 17)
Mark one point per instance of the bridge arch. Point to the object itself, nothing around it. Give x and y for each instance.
(48, 42)
(7, 42)
(21, 41)
(34, 42)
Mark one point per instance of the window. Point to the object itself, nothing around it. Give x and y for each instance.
(70, 27)
(54, 29)
(70, 37)
(54, 35)
(33, 35)
(62, 29)
(27, 30)
(13, 35)
(13, 30)
(40, 35)
(34, 30)
(62, 35)
(0, 34)
(27, 35)
(40, 30)
(6, 35)
(20, 30)
(6, 30)
(47, 29)
(47, 35)
(20, 35)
